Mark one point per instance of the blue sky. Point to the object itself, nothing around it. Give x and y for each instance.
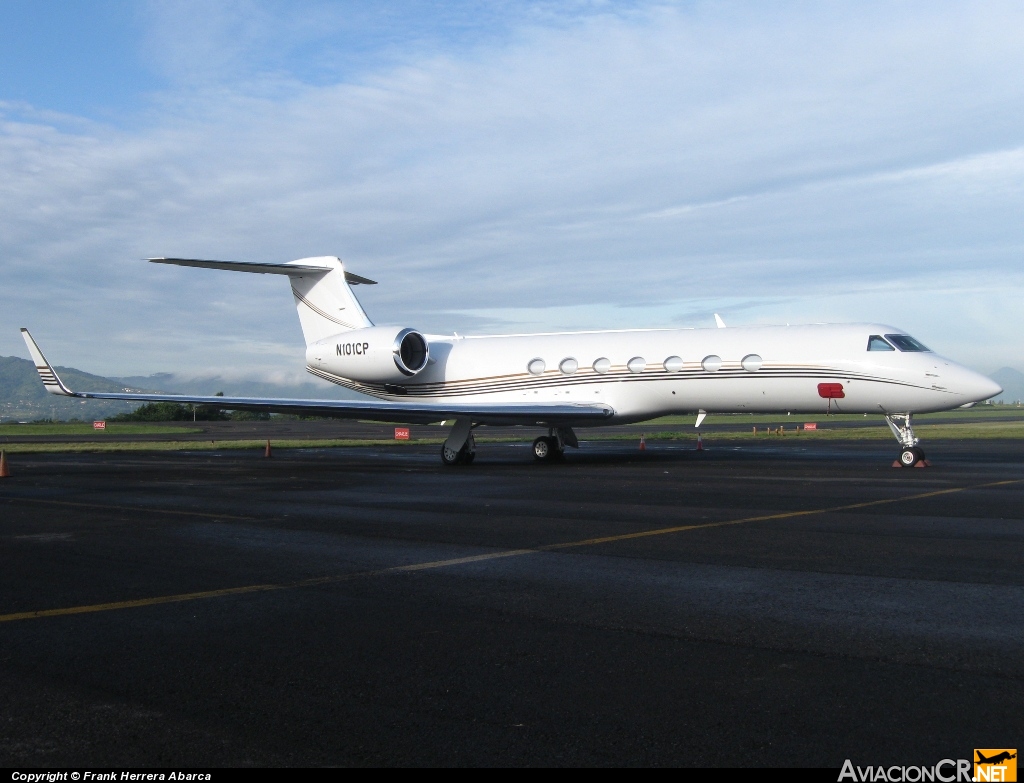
(507, 167)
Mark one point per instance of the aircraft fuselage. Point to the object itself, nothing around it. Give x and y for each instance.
(642, 374)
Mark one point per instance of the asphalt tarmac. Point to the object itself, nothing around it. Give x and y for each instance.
(791, 603)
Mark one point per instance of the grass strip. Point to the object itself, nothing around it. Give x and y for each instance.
(77, 428)
(201, 445)
(979, 431)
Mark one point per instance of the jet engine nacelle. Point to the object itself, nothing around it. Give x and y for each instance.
(378, 354)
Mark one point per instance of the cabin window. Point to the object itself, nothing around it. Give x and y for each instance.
(568, 366)
(752, 362)
(602, 365)
(673, 364)
(712, 363)
(536, 366)
(905, 343)
(636, 364)
(877, 343)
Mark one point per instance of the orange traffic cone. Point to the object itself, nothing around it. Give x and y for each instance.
(267, 452)
(700, 442)
(4, 471)
(643, 443)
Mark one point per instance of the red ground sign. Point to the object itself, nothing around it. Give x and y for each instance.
(99, 425)
(810, 426)
(401, 433)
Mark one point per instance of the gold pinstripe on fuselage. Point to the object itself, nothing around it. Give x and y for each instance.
(554, 379)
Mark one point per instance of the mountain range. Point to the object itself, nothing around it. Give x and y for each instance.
(1012, 382)
(23, 398)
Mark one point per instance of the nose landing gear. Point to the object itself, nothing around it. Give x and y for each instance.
(911, 455)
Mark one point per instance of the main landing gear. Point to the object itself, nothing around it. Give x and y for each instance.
(462, 456)
(460, 448)
(551, 447)
(910, 453)
(546, 449)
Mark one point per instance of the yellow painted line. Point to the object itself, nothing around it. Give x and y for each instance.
(134, 509)
(434, 564)
(264, 588)
(766, 517)
(163, 599)
(458, 561)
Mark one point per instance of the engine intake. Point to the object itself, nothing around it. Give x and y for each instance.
(378, 354)
(411, 352)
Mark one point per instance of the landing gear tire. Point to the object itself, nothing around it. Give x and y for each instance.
(461, 457)
(545, 449)
(910, 456)
(541, 449)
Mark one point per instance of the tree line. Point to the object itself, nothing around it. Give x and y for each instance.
(176, 411)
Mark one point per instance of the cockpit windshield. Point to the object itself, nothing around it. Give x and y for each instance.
(877, 343)
(905, 342)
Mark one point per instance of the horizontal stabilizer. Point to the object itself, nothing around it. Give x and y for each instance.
(294, 269)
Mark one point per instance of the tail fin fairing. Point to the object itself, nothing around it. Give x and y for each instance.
(325, 301)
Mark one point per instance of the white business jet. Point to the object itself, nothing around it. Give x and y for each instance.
(574, 379)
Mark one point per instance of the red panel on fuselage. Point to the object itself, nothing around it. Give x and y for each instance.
(831, 391)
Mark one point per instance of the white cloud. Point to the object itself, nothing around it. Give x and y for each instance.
(648, 163)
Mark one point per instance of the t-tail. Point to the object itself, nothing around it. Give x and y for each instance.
(321, 287)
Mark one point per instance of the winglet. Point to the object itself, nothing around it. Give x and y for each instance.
(719, 321)
(53, 384)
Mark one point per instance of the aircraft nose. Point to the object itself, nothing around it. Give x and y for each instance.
(979, 387)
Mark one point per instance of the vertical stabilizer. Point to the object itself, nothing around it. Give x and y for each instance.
(324, 299)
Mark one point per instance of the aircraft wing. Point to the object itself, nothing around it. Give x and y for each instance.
(399, 412)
